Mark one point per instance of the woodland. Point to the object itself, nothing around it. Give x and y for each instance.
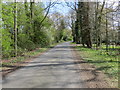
(93, 26)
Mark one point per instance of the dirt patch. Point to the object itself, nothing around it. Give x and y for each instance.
(90, 76)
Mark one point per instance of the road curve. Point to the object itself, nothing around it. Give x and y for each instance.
(53, 69)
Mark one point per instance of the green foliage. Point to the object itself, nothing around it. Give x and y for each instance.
(7, 15)
(25, 43)
(67, 35)
(6, 43)
(32, 32)
(29, 45)
(42, 39)
(7, 30)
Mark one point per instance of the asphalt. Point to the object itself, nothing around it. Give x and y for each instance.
(53, 69)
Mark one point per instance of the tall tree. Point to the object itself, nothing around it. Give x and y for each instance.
(28, 17)
(15, 27)
(99, 17)
(107, 43)
(84, 22)
(119, 21)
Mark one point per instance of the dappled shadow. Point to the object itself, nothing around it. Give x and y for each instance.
(68, 46)
(42, 65)
(118, 49)
(5, 70)
(103, 68)
(58, 50)
(46, 66)
(95, 74)
(98, 61)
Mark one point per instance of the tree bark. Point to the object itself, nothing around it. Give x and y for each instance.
(106, 30)
(15, 28)
(85, 24)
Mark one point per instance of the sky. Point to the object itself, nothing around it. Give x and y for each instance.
(62, 8)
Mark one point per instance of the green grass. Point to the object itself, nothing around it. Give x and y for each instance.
(26, 55)
(108, 63)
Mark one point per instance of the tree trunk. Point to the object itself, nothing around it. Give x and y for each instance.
(73, 31)
(31, 8)
(99, 24)
(118, 42)
(32, 26)
(106, 30)
(86, 30)
(77, 32)
(27, 15)
(80, 11)
(15, 28)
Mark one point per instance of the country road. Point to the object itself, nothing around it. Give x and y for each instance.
(52, 69)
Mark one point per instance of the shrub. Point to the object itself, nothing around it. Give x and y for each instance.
(43, 40)
(29, 45)
(25, 43)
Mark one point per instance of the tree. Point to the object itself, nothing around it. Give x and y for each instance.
(25, 27)
(61, 29)
(15, 27)
(70, 22)
(85, 28)
(118, 22)
(75, 25)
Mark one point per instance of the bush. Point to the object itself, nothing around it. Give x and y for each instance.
(43, 40)
(25, 43)
(29, 45)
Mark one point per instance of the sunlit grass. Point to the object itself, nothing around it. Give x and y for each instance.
(108, 63)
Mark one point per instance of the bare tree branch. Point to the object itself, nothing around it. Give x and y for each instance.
(48, 9)
(74, 6)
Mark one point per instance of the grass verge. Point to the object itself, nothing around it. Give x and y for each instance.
(101, 60)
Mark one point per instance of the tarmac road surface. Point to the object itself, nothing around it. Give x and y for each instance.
(53, 69)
